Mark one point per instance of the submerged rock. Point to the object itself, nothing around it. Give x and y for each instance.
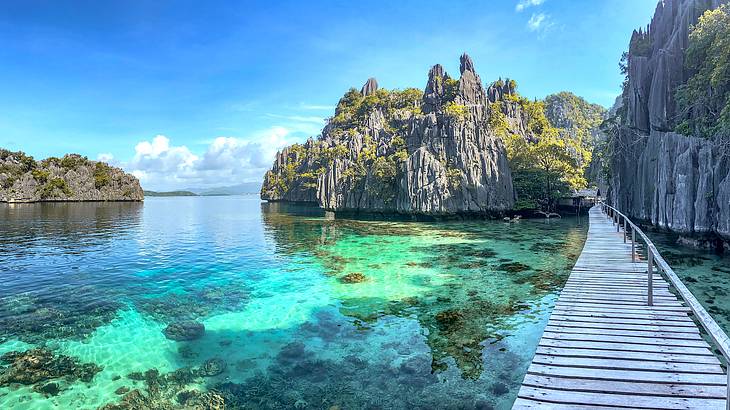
(38, 365)
(212, 367)
(354, 277)
(513, 267)
(449, 319)
(184, 331)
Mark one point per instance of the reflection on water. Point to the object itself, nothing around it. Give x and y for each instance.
(210, 300)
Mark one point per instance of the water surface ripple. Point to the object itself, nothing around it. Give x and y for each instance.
(299, 310)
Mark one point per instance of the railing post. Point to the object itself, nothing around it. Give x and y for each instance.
(650, 278)
(727, 392)
(618, 223)
(633, 245)
(625, 233)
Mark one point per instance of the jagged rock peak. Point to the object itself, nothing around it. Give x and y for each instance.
(434, 88)
(370, 86)
(466, 64)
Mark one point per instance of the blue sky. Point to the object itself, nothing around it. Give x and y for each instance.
(188, 93)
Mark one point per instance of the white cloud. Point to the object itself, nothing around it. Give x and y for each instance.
(159, 164)
(523, 4)
(105, 157)
(539, 22)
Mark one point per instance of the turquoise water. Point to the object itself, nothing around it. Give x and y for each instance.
(299, 310)
(706, 274)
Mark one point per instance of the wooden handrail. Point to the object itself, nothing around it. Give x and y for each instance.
(718, 336)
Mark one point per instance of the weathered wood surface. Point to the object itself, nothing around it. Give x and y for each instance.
(604, 347)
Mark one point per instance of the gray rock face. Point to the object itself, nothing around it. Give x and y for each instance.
(677, 182)
(371, 86)
(451, 162)
(71, 178)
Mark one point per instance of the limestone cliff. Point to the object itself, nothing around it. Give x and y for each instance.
(678, 182)
(411, 152)
(71, 178)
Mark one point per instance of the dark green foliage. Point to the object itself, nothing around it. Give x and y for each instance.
(41, 175)
(704, 101)
(50, 188)
(21, 163)
(102, 175)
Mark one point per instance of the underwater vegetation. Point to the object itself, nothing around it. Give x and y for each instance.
(44, 371)
(56, 312)
(261, 309)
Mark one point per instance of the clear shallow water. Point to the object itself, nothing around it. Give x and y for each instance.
(706, 274)
(446, 315)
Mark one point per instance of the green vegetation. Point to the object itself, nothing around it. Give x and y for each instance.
(102, 175)
(353, 109)
(15, 163)
(456, 111)
(49, 189)
(546, 166)
(40, 175)
(704, 101)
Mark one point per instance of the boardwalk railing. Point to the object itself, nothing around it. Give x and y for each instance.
(716, 333)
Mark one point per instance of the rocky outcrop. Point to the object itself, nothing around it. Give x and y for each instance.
(71, 178)
(681, 183)
(430, 153)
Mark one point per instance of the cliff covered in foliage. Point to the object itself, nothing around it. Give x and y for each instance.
(668, 148)
(71, 178)
(433, 152)
(454, 148)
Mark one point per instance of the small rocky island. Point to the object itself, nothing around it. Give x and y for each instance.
(455, 148)
(71, 178)
(418, 152)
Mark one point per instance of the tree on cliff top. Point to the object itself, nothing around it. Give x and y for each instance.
(704, 101)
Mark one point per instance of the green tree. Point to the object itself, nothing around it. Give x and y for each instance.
(704, 101)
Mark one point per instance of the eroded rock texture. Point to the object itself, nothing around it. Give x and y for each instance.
(430, 153)
(677, 182)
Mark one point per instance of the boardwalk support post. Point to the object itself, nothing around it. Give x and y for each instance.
(625, 231)
(633, 245)
(650, 278)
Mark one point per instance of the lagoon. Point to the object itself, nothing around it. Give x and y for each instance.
(299, 310)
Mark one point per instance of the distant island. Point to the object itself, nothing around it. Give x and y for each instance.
(70, 178)
(169, 193)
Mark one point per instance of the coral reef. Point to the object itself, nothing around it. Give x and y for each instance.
(354, 277)
(184, 331)
(43, 370)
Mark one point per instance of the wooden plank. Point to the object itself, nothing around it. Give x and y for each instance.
(623, 333)
(628, 375)
(523, 403)
(620, 364)
(618, 326)
(619, 354)
(625, 347)
(619, 400)
(624, 339)
(624, 387)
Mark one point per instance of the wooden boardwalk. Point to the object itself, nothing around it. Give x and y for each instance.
(604, 347)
